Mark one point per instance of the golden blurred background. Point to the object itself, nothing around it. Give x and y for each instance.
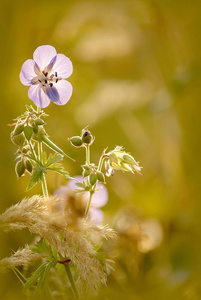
(137, 83)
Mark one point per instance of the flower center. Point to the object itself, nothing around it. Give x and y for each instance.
(48, 79)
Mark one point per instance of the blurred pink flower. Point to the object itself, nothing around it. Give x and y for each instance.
(99, 198)
(45, 75)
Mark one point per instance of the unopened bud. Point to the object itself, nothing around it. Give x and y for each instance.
(87, 137)
(85, 173)
(76, 141)
(100, 176)
(20, 168)
(92, 179)
(128, 159)
(28, 166)
(18, 139)
(28, 131)
(18, 129)
(86, 167)
(39, 122)
(35, 128)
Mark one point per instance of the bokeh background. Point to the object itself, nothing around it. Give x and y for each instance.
(137, 83)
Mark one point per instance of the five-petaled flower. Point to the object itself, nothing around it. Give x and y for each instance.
(45, 75)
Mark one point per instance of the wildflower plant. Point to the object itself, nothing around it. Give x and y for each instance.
(66, 233)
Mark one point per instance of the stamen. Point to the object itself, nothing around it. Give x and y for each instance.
(45, 73)
(45, 80)
(39, 80)
(56, 74)
(57, 80)
(51, 84)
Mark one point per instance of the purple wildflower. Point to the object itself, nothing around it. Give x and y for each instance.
(45, 75)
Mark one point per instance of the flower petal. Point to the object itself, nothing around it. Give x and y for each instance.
(96, 215)
(27, 72)
(60, 92)
(100, 197)
(43, 55)
(63, 66)
(38, 96)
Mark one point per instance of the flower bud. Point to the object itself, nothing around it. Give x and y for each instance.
(86, 167)
(20, 168)
(113, 157)
(28, 166)
(35, 128)
(39, 122)
(40, 134)
(18, 139)
(128, 159)
(92, 179)
(28, 131)
(85, 173)
(76, 141)
(18, 129)
(87, 137)
(100, 176)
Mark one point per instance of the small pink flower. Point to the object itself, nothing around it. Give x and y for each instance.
(45, 75)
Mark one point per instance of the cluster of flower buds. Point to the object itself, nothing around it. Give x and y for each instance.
(85, 139)
(29, 125)
(94, 174)
(118, 159)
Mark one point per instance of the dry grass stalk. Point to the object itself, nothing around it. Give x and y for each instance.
(46, 217)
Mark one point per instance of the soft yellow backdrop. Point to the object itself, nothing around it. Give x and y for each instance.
(137, 83)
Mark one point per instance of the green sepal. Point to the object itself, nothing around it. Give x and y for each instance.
(39, 122)
(92, 179)
(28, 166)
(18, 139)
(20, 168)
(100, 176)
(28, 131)
(18, 129)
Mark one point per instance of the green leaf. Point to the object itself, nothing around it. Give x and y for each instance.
(42, 285)
(35, 178)
(41, 247)
(80, 184)
(35, 276)
(53, 158)
(59, 169)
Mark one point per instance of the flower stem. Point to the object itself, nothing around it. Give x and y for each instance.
(87, 154)
(43, 180)
(89, 203)
(70, 277)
